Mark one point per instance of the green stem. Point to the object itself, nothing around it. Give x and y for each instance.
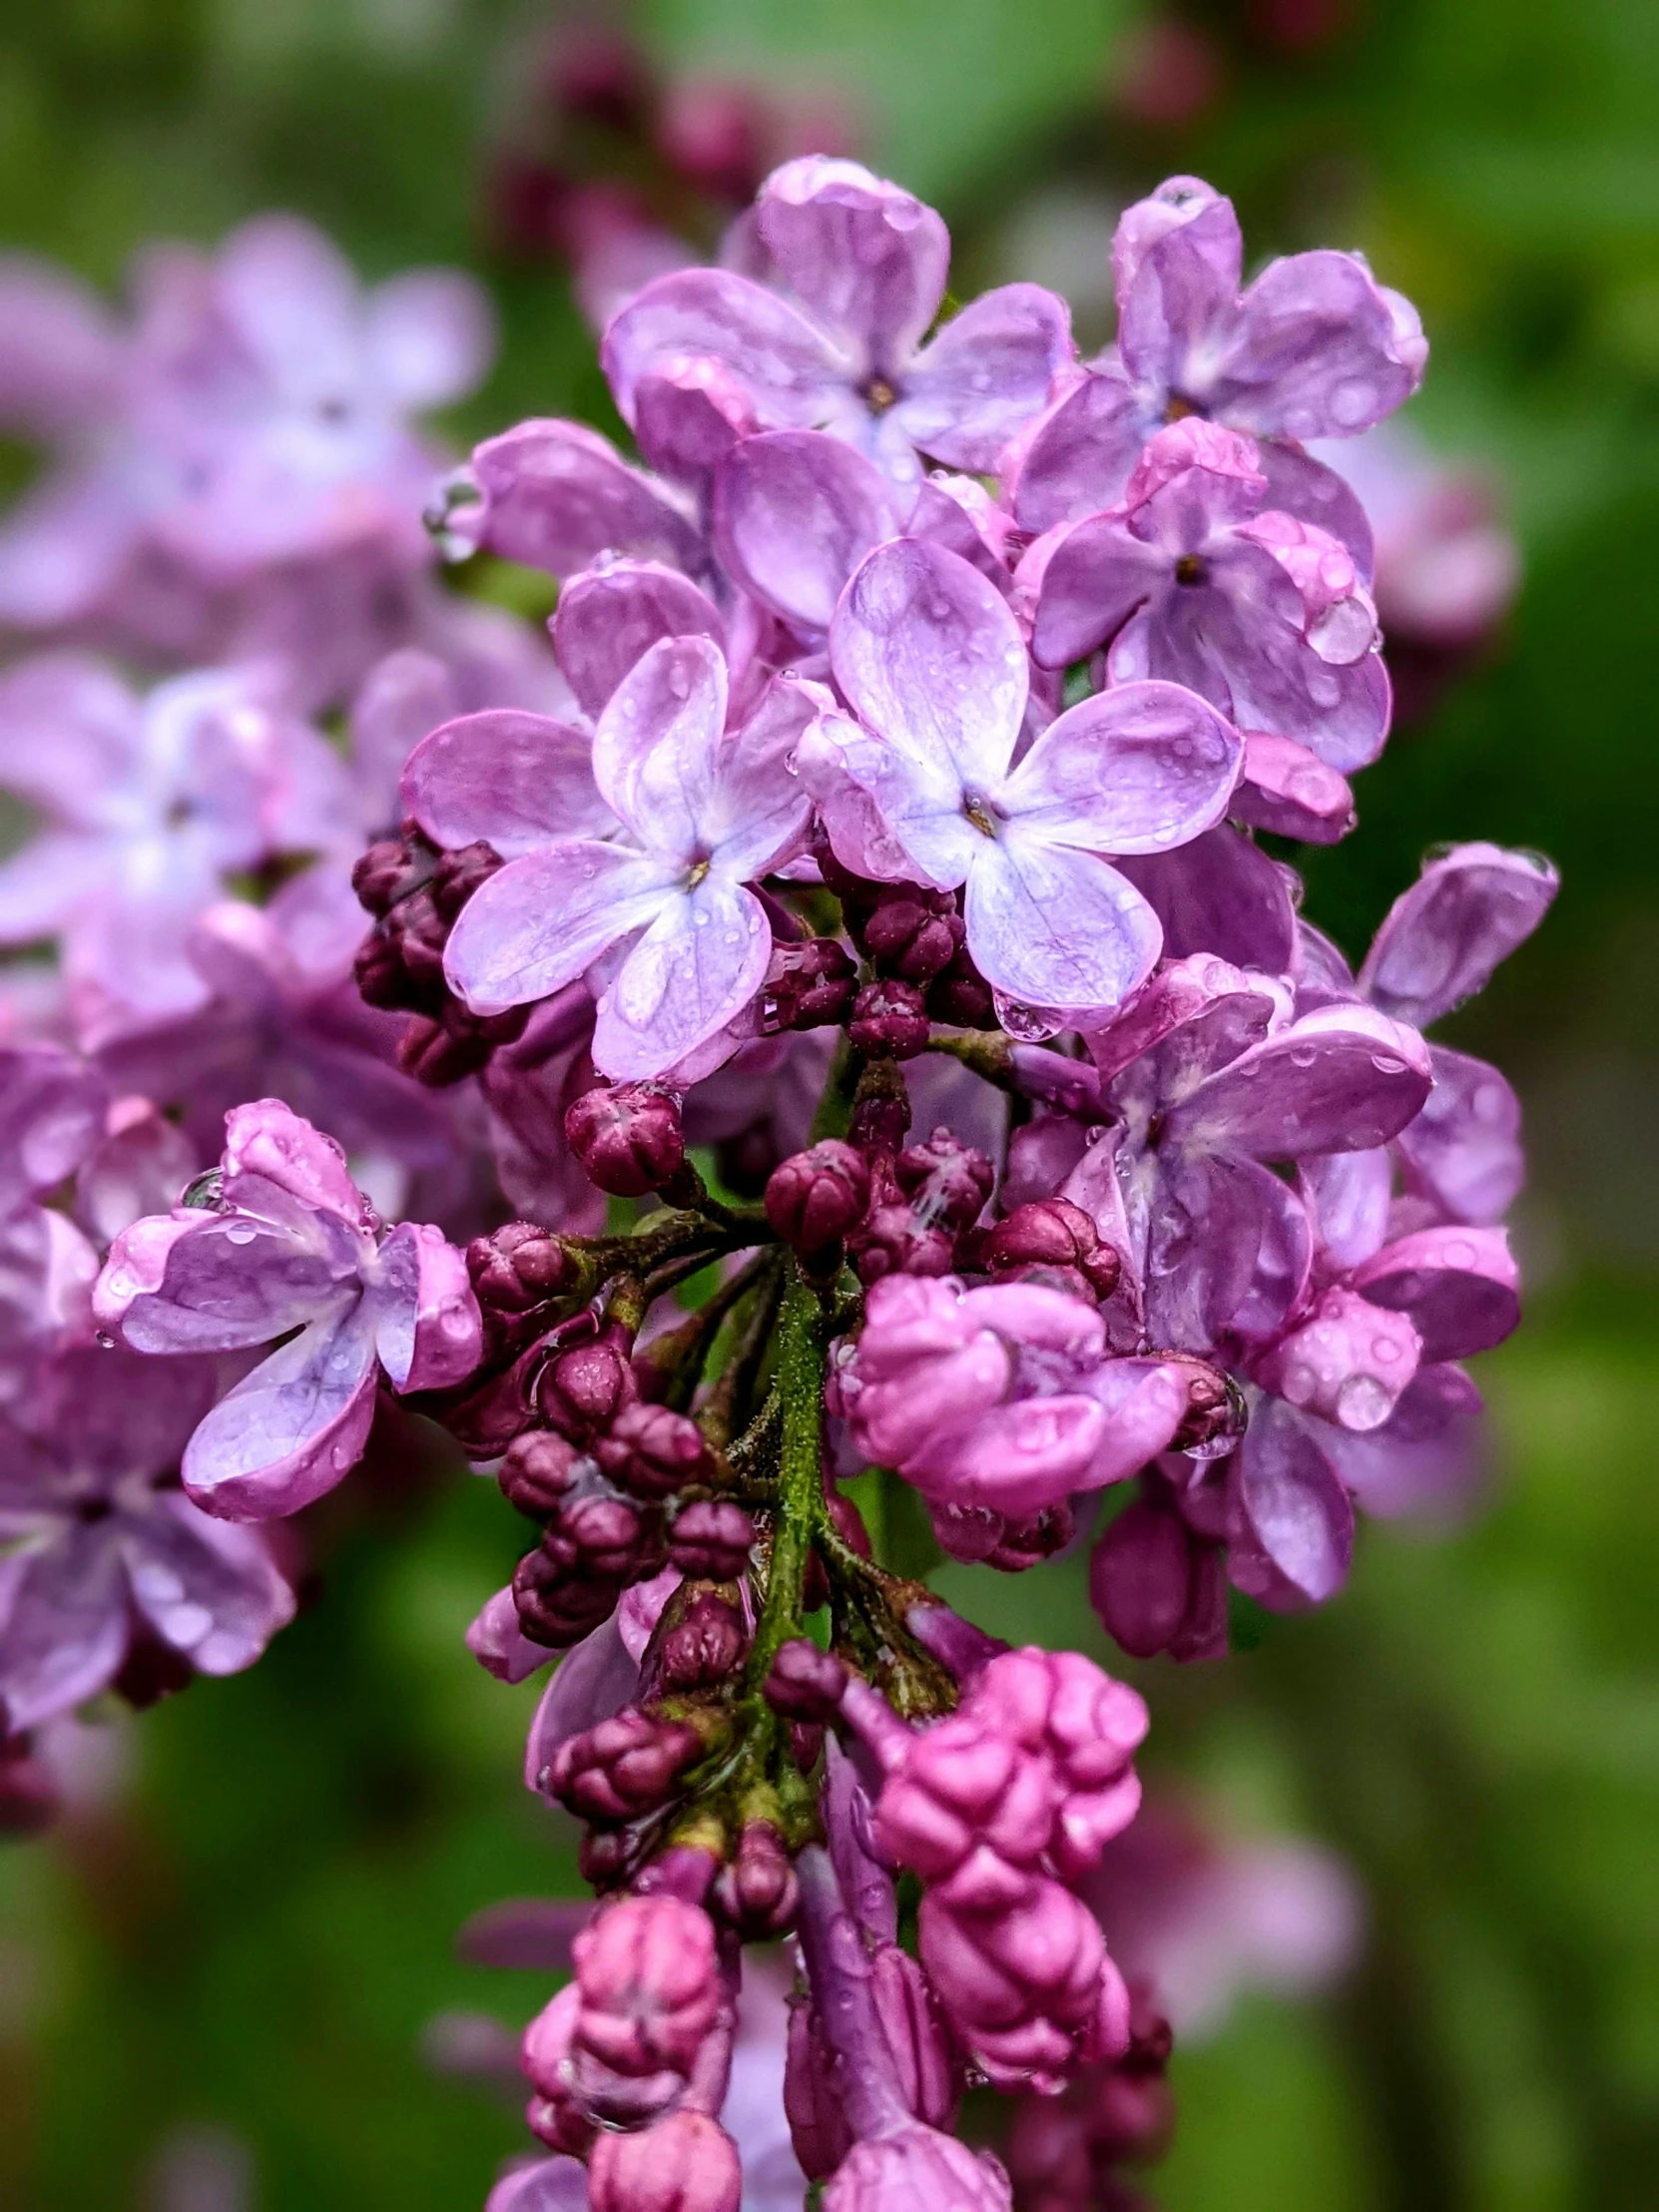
(800, 1513)
(834, 1107)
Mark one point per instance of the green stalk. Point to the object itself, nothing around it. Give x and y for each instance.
(802, 1342)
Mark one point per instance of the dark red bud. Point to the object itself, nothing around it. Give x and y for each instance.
(1052, 1232)
(392, 869)
(890, 1021)
(912, 934)
(456, 1044)
(711, 1540)
(807, 986)
(518, 1266)
(805, 1684)
(652, 1452)
(959, 995)
(818, 1196)
(947, 1182)
(756, 1892)
(624, 1767)
(627, 1137)
(1217, 1411)
(459, 874)
(702, 1649)
(893, 1242)
(581, 1391)
(538, 1471)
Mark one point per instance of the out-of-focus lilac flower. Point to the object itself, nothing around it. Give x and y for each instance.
(257, 413)
(96, 1548)
(1315, 347)
(288, 1245)
(150, 806)
(1194, 579)
(682, 944)
(1000, 1397)
(51, 1106)
(832, 339)
(556, 495)
(924, 784)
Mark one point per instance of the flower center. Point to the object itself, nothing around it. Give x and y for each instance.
(1178, 409)
(880, 395)
(1189, 570)
(980, 816)
(699, 869)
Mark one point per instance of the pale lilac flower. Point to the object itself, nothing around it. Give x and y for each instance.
(1315, 347)
(556, 495)
(96, 1548)
(150, 806)
(1000, 1397)
(286, 1248)
(1194, 579)
(51, 1105)
(924, 785)
(834, 339)
(683, 941)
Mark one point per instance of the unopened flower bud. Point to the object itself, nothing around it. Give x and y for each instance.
(544, 2054)
(946, 1181)
(809, 985)
(390, 870)
(627, 1137)
(1052, 1232)
(1027, 1990)
(650, 1985)
(920, 2167)
(912, 934)
(890, 1021)
(979, 1537)
(704, 1648)
(1158, 1586)
(755, 1893)
(459, 874)
(517, 1267)
(893, 1242)
(805, 1684)
(686, 2163)
(653, 1450)
(1217, 1411)
(960, 997)
(455, 1043)
(623, 1767)
(582, 1389)
(538, 1471)
(711, 1540)
(818, 1196)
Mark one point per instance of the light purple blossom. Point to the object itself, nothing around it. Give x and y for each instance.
(926, 784)
(681, 941)
(1192, 578)
(854, 273)
(1314, 349)
(289, 1244)
(96, 1548)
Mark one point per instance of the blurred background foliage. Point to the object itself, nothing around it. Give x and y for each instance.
(221, 1982)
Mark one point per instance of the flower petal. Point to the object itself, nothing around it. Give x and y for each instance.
(1441, 939)
(1140, 768)
(1460, 1286)
(427, 1328)
(794, 514)
(695, 969)
(1056, 927)
(201, 1282)
(63, 1632)
(1339, 1080)
(1221, 895)
(596, 1678)
(518, 781)
(544, 918)
(608, 616)
(1078, 459)
(890, 811)
(795, 375)
(210, 1590)
(990, 370)
(559, 495)
(1095, 577)
(1426, 1460)
(1176, 260)
(1464, 1150)
(1319, 349)
(431, 337)
(867, 257)
(288, 1432)
(1298, 1518)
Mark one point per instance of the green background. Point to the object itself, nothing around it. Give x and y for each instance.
(254, 1939)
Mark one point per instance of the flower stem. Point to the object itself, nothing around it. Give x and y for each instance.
(801, 1340)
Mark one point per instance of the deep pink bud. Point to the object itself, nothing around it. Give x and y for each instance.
(1052, 1232)
(653, 1450)
(627, 1137)
(917, 2171)
(1217, 1414)
(390, 870)
(818, 1196)
(518, 1266)
(960, 997)
(704, 1648)
(650, 1993)
(582, 1389)
(1027, 1990)
(893, 1242)
(544, 2054)
(946, 1182)
(626, 1766)
(890, 1021)
(979, 1537)
(805, 1684)
(457, 874)
(686, 2163)
(711, 1539)
(538, 1471)
(807, 986)
(756, 1892)
(912, 934)
(818, 2129)
(1158, 1586)
(929, 2079)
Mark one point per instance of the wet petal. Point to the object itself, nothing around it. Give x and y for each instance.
(794, 514)
(210, 1590)
(545, 918)
(1441, 939)
(990, 370)
(427, 1328)
(696, 968)
(1339, 1080)
(292, 1428)
(559, 495)
(608, 616)
(517, 780)
(1140, 768)
(1056, 927)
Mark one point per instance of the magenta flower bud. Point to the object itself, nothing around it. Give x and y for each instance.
(1217, 1414)
(556, 1604)
(878, 1121)
(805, 1684)
(538, 1471)
(390, 870)
(979, 1537)
(960, 997)
(686, 2163)
(947, 1183)
(582, 1389)
(704, 1648)
(818, 1196)
(756, 1892)
(890, 1021)
(807, 986)
(1052, 1232)
(910, 934)
(627, 1137)
(929, 2079)
(653, 1450)
(650, 1987)
(818, 2129)
(454, 1044)
(610, 1537)
(960, 1795)
(711, 1539)
(626, 1766)
(544, 2054)
(1087, 1728)
(893, 1242)
(518, 1266)
(457, 874)
(917, 2171)
(1027, 1990)
(1158, 1586)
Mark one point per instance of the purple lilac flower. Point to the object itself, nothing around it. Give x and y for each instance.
(1194, 579)
(99, 1550)
(1314, 349)
(289, 1244)
(854, 272)
(683, 943)
(924, 783)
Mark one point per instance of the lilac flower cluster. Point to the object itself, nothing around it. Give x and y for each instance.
(868, 894)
